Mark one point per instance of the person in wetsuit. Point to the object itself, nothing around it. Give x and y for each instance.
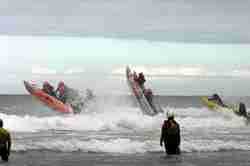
(170, 135)
(140, 79)
(216, 98)
(5, 142)
(48, 88)
(242, 110)
(61, 92)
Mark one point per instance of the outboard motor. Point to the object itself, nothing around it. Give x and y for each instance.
(242, 109)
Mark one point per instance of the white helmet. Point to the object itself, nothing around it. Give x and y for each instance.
(170, 114)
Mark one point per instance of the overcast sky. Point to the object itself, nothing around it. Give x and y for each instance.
(89, 62)
(172, 20)
(83, 41)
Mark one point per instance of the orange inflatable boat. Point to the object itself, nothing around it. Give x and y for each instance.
(49, 101)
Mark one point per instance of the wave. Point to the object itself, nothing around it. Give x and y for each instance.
(121, 118)
(113, 119)
(129, 146)
(127, 130)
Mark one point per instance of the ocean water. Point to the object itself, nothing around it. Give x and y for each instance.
(117, 126)
(185, 49)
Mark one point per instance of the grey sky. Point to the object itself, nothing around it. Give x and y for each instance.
(182, 39)
(172, 20)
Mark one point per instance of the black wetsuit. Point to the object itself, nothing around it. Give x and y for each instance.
(243, 112)
(170, 135)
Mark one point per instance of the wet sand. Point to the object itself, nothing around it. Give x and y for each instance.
(49, 158)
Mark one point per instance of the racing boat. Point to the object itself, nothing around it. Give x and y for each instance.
(213, 105)
(50, 101)
(210, 104)
(146, 107)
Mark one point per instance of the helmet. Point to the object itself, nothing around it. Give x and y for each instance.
(215, 95)
(170, 114)
(1, 123)
(45, 83)
(61, 83)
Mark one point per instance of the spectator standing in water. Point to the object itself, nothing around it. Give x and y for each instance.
(170, 135)
(5, 142)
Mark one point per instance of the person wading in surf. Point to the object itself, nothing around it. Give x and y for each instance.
(5, 142)
(170, 135)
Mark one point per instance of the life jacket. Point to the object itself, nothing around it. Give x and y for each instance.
(141, 78)
(135, 76)
(61, 88)
(171, 137)
(49, 89)
(170, 129)
(148, 92)
(173, 129)
(164, 124)
(4, 136)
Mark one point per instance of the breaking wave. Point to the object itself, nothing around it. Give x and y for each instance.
(127, 130)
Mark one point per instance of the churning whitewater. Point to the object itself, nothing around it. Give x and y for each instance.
(123, 129)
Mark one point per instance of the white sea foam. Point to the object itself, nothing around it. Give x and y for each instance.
(113, 119)
(214, 145)
(128, 145)
(117, 118)
(115, 145)
(201, 129)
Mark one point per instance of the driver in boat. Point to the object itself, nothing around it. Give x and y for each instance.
(49, 89)
(60, 92)
(242, 110)
(140, 79)
(216, 98)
